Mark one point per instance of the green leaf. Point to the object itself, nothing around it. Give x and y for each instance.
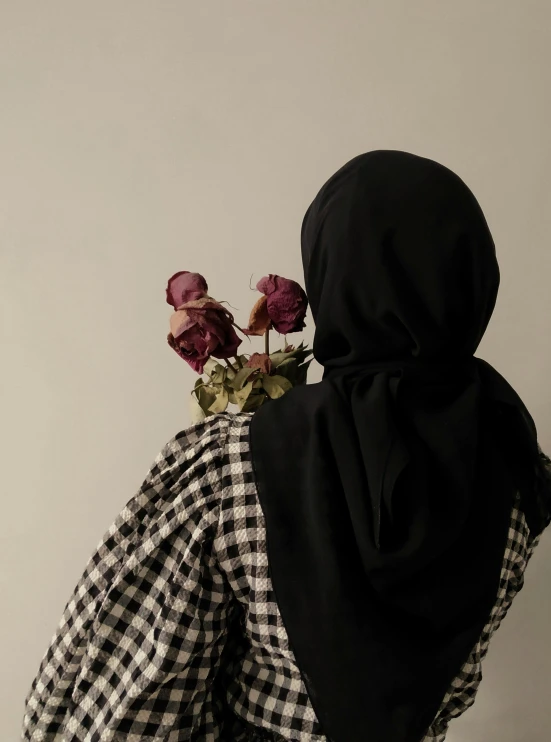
(241, 377)
(279, 356)
(288, 369)
(205, 396)
(196, 411)
(219, 374)
(243, 394)
(276, 386)
(300, 353)
(210, 365)
(302, 372)
(253, 402)
(202, 397)
(221, 400)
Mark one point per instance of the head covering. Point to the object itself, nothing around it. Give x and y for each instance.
(387, 488)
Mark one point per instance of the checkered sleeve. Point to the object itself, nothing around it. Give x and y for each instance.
(139, 644)
(462, 693)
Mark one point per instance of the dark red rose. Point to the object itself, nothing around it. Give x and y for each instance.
(286, 303)
(185, 286)
(202, 328)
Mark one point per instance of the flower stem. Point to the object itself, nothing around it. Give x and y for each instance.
(230, 365)
(267, 342)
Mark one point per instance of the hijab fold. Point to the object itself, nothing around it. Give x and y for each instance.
(387, 488)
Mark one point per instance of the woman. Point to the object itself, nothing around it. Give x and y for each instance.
(333, 567)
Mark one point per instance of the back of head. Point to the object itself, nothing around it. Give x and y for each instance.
(399, 263)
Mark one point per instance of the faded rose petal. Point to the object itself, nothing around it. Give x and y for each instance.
(267, 285)
(259, 321)
(261, 361)
(197, 363)
(185, 286)
(286, 303)
(179, 322)
(207, 302)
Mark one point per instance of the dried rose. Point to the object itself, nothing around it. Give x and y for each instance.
(202, 328)
(259, 321)
(185, 286)
(261, 361)
(286, 303)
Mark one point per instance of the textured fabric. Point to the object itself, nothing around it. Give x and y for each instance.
(173, 633)
(396, 459)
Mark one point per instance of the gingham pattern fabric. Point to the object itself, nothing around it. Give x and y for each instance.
(173, 632)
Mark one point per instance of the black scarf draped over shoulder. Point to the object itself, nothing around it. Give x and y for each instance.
(387, 487)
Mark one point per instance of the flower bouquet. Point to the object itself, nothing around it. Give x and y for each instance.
(203, 332)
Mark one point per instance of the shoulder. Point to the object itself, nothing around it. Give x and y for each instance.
(201, 451)
(185, 484)
(186, 475)
(209, 436)
(216, 432)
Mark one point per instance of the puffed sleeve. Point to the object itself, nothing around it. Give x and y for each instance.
(139, 644)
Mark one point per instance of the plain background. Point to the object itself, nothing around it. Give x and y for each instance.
(141, 138)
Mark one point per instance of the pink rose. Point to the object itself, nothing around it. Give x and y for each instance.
(201, 328)
(185, 286)
(286, 303)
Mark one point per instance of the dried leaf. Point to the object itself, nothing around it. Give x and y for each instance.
(300, 353)
(276, 386)
(288, 369)
(196, 412)
(259, 321)
(240, 378)
(302, 372)
(243, 394)
(210, 365)
(205, 396)
(221, 400)
(279, 356)
(219, 374)
(253, 402)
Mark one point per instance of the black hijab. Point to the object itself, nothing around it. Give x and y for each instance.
(387, 488)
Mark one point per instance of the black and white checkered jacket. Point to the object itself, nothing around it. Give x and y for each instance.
(173, 632)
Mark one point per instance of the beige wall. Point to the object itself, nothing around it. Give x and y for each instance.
(139, 138)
